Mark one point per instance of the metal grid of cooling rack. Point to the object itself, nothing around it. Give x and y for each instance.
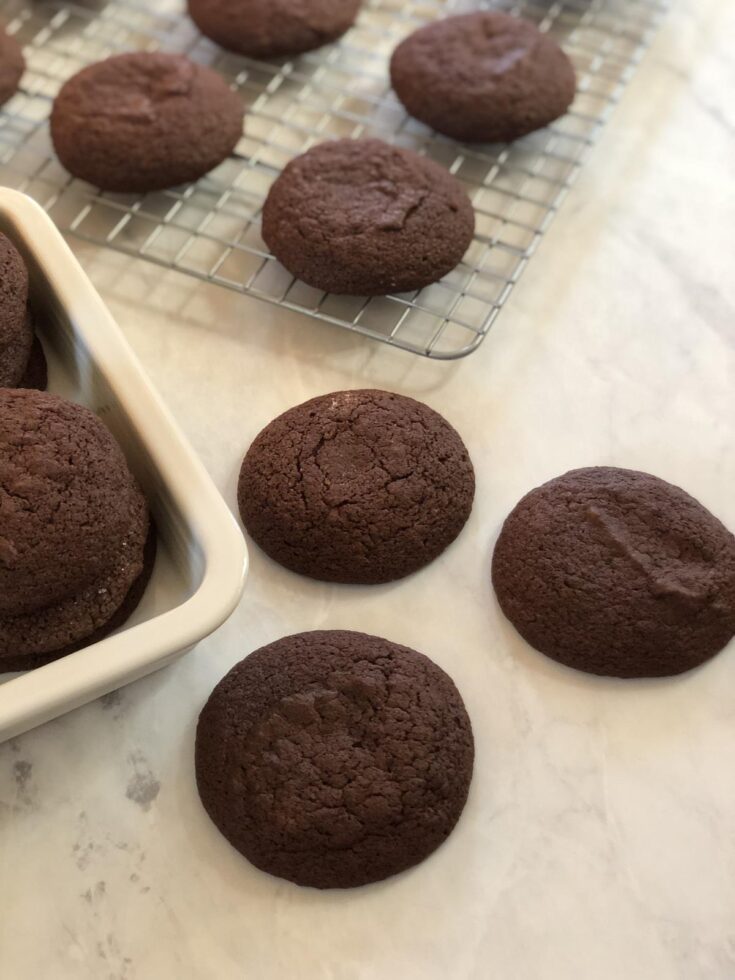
(211, 229)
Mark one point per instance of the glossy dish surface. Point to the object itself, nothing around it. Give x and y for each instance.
(202, 561)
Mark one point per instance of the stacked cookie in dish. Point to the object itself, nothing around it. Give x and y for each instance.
(76, 542)
(22, 362)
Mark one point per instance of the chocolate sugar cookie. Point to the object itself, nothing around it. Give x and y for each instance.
(12, 65)
(16, 331)
(67, 500)
(31, 640)
(366, 218)
(334, 759)
(271, 28)
(145, 121)
(76, 542)
(616, 572)
(356, 486)
(482, 77)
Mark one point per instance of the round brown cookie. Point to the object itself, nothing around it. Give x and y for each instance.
(12, 65)
(271, 28)
(16, 332)
(145, 121)
(366, 218)
(30, 641)
(334, 759)
(357, 486)
(482, 77)
(67, 501)
(616, 572)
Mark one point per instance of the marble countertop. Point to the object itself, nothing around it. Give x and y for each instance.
(598, 839)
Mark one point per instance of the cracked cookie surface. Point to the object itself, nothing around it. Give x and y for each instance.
(334, 759)
(34, 639)
(617, 572)
(16, 329)
(67, 501)
(272, 28)
(361, 486)
(482, 77)
(362, 217)
(145, 121)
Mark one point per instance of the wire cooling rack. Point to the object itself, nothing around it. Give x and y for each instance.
(211, 229)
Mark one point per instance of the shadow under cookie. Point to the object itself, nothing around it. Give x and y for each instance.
(36, 372)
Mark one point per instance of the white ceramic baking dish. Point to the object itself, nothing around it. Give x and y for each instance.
(202, 558)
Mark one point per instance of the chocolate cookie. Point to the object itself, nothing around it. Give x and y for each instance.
(482, 77)
(271, 28)
(616, 572)
(32, 640)
(12, 65)
(16, 331)
(356, 486)
(67, 501)
(145, 121)
(366, 218)
(334, 759)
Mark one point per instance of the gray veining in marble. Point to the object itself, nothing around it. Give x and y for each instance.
(597, 843)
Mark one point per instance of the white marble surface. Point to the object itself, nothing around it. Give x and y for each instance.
(598, 839)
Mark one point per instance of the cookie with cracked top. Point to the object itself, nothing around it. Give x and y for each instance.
(12, 65)
(31, 640)
(76, 542)
(145, 121)
(67, 501)
(617, 572)
(272, 28)
(482, 77)
(362, 217)
(334, 759)
(360, 486)
(16, 330)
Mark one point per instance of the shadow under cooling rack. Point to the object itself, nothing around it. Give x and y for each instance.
(211, 229)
